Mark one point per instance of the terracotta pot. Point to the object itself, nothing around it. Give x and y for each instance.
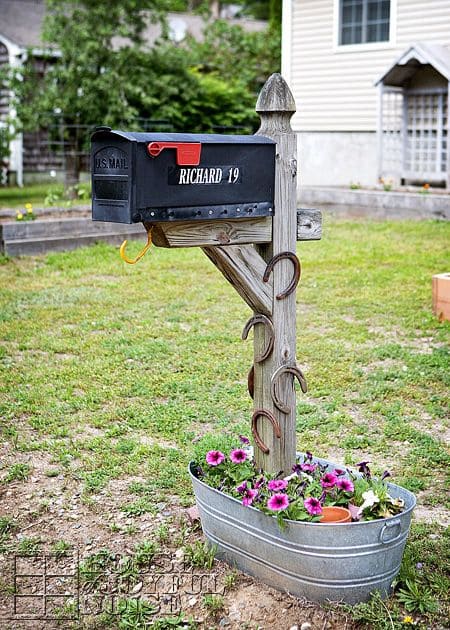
(335, 514)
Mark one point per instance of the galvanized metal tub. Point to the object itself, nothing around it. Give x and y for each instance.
(318, 561)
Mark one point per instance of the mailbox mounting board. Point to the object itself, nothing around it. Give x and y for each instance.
(168, 177)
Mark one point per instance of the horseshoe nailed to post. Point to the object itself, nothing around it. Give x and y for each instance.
(261, 319)
(286, 369)
(251, 382)
(276, 428)
(295, 278)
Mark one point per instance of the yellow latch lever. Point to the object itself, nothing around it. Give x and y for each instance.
(141, 254)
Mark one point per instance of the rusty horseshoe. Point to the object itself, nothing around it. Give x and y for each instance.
(290, 369)
(296, 277)
(276, 427)
(261, 319)
(251, 382)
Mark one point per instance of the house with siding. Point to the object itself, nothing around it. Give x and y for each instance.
(371, 82)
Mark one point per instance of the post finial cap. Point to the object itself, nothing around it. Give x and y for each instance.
(275, 96)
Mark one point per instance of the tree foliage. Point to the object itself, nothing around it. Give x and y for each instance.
(88, 73)
(99, 69)
(243, 58)
(171, 88)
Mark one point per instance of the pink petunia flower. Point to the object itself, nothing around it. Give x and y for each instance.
(278, 502)
(345, 485)
(275, 485)
(339, 472)
(214, 458)
(242, 487)
(308, 468)
(238, 456)
(248, 497)
(329, 480)
(312, 506)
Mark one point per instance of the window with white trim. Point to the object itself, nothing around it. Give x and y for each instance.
(364, 21)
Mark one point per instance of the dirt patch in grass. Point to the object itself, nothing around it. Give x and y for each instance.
(435, 514)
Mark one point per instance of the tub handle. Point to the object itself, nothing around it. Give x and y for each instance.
(386, 527)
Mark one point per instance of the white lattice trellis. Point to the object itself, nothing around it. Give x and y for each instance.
(392, 136)
(414, 130)
(426, 134)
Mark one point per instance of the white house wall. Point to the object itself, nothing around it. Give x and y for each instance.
(337, 158)
(334, 86)
(15, 146)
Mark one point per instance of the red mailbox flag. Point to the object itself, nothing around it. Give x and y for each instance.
(188, 153)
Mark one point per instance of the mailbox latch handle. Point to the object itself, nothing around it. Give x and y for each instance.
(188, 153)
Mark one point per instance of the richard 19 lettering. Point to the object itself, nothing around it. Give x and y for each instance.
(207, 175)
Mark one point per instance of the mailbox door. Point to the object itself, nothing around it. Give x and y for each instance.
(113, 188)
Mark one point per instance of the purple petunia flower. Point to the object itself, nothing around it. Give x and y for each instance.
(308, 468)
(244, 440)
(312, 506)
(309, 455)
(259, 482)
(329, 480)
(278, 502)
(214, 458)
(385, 475)
(248, 497)
(297, 469)
(364, 469)
(242, 487)
(275, 485)
(345, 485)
(339, 472)
(238, 456)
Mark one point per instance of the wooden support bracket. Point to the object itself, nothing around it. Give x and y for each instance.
(233, 232)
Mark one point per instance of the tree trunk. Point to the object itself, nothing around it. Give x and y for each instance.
(72, 173)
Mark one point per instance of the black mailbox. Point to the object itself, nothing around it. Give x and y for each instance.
(171, 177)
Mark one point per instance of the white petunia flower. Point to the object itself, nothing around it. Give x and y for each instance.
(370, 498)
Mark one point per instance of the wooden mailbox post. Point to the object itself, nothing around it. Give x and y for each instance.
(257, 256)
(245, 266)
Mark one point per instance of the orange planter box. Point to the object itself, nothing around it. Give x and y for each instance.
(441, 296)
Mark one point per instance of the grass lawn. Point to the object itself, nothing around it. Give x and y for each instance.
(15, 197)
(39, 195)
(110, 371)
